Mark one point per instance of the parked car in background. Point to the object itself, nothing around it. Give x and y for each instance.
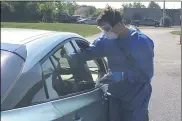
(81, 18)
(92, 21)
(146, 22)
(78, 17)
(45, 83)
(65, 18)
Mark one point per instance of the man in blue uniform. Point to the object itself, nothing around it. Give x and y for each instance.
(130, 60)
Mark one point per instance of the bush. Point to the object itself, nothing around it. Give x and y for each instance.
(167, 21)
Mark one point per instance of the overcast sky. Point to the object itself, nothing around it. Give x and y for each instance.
(169, 5)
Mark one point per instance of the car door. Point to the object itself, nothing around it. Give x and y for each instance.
(97, 69)
(41, 93)
(72, 89)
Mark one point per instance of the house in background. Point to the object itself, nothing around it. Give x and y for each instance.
(82, 11)
(141, 13)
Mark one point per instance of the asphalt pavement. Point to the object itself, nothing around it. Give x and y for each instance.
(165, 104)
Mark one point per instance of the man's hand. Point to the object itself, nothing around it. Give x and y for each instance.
(106, 79)
(97, 83)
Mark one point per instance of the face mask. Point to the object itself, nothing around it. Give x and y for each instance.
(110, 35)
(108, 32)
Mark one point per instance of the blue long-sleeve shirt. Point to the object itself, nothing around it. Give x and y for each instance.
(137, 44)
(135, 95)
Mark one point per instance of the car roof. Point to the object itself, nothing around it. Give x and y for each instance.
(19, 36)
(37, 43)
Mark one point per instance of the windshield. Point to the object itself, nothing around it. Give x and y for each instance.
(11, 66)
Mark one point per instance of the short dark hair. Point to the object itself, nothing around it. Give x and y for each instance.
(110, 15)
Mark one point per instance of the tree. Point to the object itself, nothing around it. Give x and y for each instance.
(108, 6)
(125, 5)
(60, 7)
(138, 5)
(71, 7)
(152, 4)
(167, 21)
(87, 11)
(91, 11)
(98, 12)
(6, 6)
(134, 5)
(131, 5)
(27, 11)
(31, 11)
(47, 11)
(19, 14)
(19, 11)
(6, 11)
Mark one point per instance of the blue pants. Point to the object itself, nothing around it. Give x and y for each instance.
(135, 109)
(119, 112)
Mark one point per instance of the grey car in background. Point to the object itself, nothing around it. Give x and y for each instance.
(91, 21)
(41, 82)
(146, 22)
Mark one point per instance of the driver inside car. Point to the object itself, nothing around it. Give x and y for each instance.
(130, 60)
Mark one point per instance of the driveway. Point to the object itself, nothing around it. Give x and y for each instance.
(165, 102)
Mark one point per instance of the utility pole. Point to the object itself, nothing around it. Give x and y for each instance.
(163, 12)
(181, 24)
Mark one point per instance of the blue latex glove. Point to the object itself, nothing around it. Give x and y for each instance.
(117, 76)
(111, 77)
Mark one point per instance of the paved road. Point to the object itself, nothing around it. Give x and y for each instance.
(165, 102)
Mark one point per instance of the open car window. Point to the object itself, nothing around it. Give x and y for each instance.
(64, 75)
(94, 69)
(97, 67)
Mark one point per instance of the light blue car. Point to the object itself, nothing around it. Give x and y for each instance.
(40, 82)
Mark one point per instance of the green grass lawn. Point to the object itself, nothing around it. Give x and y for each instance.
(82, 29)
(176, 32)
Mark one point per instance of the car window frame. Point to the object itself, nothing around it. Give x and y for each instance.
(14, 82)
(86, 42)
(78, 50)
(48, 56)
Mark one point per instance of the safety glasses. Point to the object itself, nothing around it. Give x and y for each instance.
(107, 27)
